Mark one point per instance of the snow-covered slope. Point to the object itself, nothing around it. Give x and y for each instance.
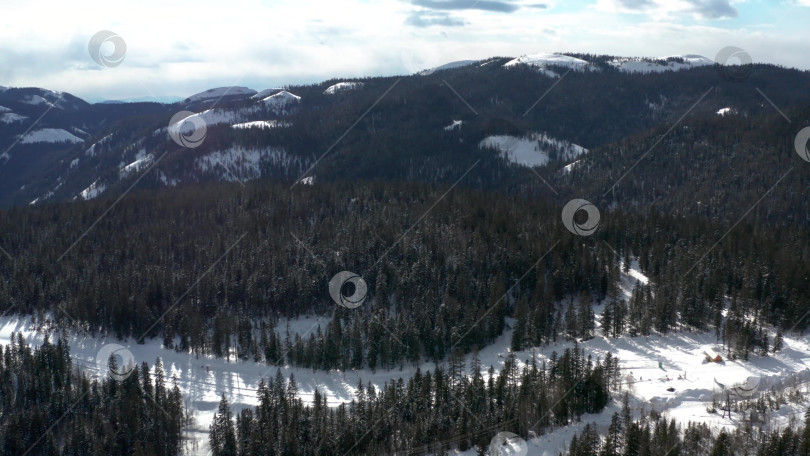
(238, 164)
(142, 161)
(219, 92)
(212, 117)
(455, 125)
(536, 149)
(93, 191)
(342, 86)
(37, 100)
(49, 135)
(543, 60)
(91, 151)
(670, 63)
(266, 93)
(282, 102)
(449, 66)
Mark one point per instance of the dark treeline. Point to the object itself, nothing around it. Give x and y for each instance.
(448, 284)
(655, 436)
(47, 407)
(453, 408)
(716, 167)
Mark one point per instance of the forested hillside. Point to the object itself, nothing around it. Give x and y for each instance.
(446, 195)
(211, 269)
(658, 436)
(429, 407)
(48, 407)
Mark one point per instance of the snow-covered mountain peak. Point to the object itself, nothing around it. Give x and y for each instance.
(266, 93)
(448, 66)
(544, 59)
(279, 102)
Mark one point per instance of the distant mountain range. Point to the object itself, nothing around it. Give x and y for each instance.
(579, 121)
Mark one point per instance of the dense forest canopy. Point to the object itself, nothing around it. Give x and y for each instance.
(210, 269)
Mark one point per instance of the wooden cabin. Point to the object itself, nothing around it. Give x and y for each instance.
(712, 356)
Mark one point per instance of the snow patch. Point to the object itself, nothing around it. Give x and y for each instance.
(49, 135)
(166, 180)
(4, 109)
(262, 124)
(37, 100)
(142, 161)
(11, 117)
(341, 87)
(454, 125)
(93, 191)
(266, 93)
(91, 151)
(237, 164)
(212, 117)
(536, 149)
(570, 167)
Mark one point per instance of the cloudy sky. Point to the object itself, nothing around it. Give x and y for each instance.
(180, 47)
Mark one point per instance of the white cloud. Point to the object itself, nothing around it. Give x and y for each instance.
(669, 9)
(184, 46)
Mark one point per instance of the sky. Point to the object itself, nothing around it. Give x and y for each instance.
(181, 47)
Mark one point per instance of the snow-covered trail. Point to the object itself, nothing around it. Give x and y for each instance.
(204, 379)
